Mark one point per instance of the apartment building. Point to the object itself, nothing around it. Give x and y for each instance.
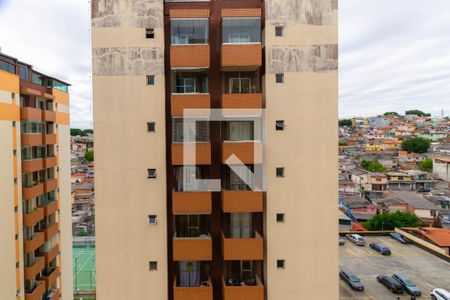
(160, 233)
(35, 226)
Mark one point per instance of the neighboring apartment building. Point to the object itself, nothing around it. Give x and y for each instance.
(441, 168)
(35, 223)
(158, 237)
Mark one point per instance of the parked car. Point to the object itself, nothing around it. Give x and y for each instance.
(440, 294)
(380, 248)
(356, 239)
(352, 280)
(408, 285)
(398, 237)
(424, 190)
(390, 283)
(341, 241)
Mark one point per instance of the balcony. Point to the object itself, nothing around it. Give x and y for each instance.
(249, 292)
(49, 256)
(200, 154)
(30, 113)
(30, 219)
(48, 115)
(53, 294)
(33, 191)
(248, 56)
(189, 56)
(49, 139)
(34, 243)
(241, 201)
(31, 139)
(179, 102)
(33, 165)
(192, 248)
(50, 185)
(243, 101)
(51, 231)
(50, 207)
(37, 266)
(50, 162)
(191, 202)
(37, 292)
(249, 152)
(51, 277)
(243, 248)
(202, 292)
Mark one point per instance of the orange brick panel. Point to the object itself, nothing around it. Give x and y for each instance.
(191, 202)
(180, 102)
(29, 166)
(37, 293)
(202, 154)
(242, 249)
(31, 139)
(241, 201)
(189, 56)
(241, 12)
(192, 249)
(192, 292)
(189, 13)
(36, 242)
(242, 55)
(247, 152)
(29, 113)
(242, 292)
(245, 101)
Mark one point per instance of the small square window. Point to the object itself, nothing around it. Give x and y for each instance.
(56, 126)
(13, 95)
(151, 173)
(13, 124)
(152, 220)
(280, 172)
(153, 265)
(16, 237)
(280, 263)
(16, 208)
(280, 218)
(150, 126)
(15, 152)
(56, 105)
(15, 180)
(150, 33)
(279, 125)
(150, 79)
(17, 265)
(279, 31)
(279, 78)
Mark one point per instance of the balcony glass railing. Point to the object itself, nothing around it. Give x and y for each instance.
(189, 81)
(189, 31)
(241, 30)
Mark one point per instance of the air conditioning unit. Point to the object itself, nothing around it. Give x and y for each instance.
(19, 293)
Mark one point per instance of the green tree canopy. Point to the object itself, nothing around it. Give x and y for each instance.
(391, 113)
(426, 164)
(75, 131)
(417, 112)
(390, 221)
(373, 166)
(89, 155)
(345, 122)
(416, 145)
(86, 131)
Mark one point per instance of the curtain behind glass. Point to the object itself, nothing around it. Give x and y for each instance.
(241, 225)
(241, 131)
(189, 273)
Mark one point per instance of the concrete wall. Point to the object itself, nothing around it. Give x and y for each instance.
(307, 101)
(124, 150)
(441, 169)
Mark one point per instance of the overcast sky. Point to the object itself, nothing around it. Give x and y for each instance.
(394, 54)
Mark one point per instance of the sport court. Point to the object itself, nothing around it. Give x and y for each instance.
(84, 269)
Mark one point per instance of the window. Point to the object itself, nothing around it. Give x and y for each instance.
(240, 85)
(189, 81)
(16, 208)
(16, 237)
(279, 78)
(24, 72)
(280, 172)
(151, 173)
(15, 180)
(279, 31)
(280, 263)
(150, 79)
(150, 33)
(183, 131)
(240, 131)
(38, 79)
(60, 86)
(241, 225)
(280, 218)
(13, 96)
(241, 30)
(8, 66)
(152, 220)
(14, 152)
(279, 125)
(150, 126)
(17, 265)
(13, 124)
(187, 178)
(189, 31)
(153, 265)
(238, 178)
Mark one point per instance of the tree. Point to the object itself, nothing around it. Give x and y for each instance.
(345, 122)
(373, 166)
(86, 131)
(391, 113)
(89, 156)
(343, 143)
(75, 131)
(417, 112)
(390, 221)
(426, 164)
(416, 145)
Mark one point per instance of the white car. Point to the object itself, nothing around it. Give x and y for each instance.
(440, 294)
(356, 239)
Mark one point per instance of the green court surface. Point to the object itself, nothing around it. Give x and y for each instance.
(83, 268)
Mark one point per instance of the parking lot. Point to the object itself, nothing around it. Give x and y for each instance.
(425, 269)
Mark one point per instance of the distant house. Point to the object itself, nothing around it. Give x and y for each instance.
(410, 158)
(441, 168)
(412, 202)
(379, 182)
(400, 181)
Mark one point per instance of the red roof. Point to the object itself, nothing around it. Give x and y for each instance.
(358, 227)
(439, 236)
(78, 175)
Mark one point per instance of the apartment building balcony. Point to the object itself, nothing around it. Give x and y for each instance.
(34, 243)
(48, 115)
(184, 202)
(31, 139)
(35, 268)
(242, 101)
(197, 154)
(192, 248)
(50, 162)
(248, 152)
(189, 56)
(50, 255)
(51, 231)
(53, 294)
(204, 291)
(182, 101)
(50, 277)
(32, 165)
(247, 56)
(37, 292)
(49, 139)
(33, 217)
(234, 201)
(50, 185)
(233, 289)
(31, 113)
(32, 191)
(243, 248)
(50, 207)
